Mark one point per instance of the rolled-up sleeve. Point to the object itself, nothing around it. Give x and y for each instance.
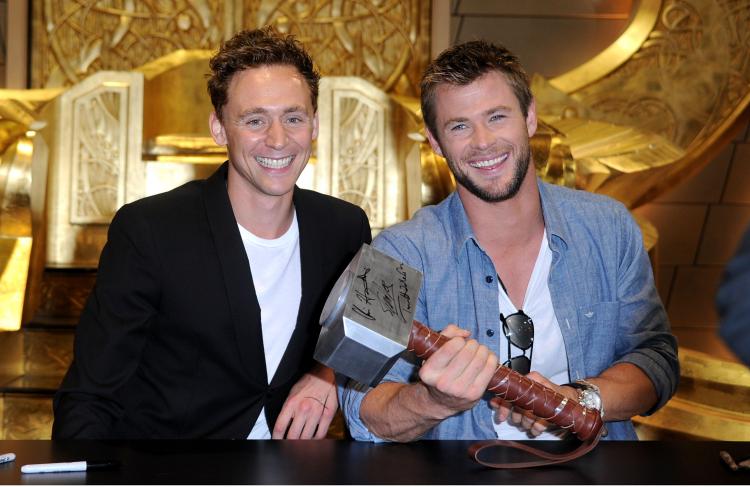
(351, 393)
(644, 337)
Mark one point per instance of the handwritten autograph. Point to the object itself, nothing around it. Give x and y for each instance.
(393, 300)
(363, 295)
(404, 299)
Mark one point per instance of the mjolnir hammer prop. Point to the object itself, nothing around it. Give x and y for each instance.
(368, 321)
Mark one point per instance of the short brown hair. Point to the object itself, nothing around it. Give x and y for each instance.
(463, 64)
(254, 48)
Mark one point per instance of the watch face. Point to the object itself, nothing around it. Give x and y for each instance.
(591, 399)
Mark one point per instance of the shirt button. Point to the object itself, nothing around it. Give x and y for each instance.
(490, 333)
(488, 279)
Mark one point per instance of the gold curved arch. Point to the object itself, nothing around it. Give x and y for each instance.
(616, 54)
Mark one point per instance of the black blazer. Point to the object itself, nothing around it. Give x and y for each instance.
(169, 344)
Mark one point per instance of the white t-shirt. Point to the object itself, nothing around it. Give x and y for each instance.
(277, 276)
(549, 357)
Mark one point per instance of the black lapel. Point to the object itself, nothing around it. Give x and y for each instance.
(238, 280)
(311, 262)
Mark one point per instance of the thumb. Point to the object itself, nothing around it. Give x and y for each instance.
(453, 331)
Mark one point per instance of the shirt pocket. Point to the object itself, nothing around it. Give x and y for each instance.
(599, 329)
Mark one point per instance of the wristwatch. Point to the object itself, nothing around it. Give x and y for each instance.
(588, 395)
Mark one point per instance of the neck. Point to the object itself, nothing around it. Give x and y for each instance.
(512, 223)
(263, 215)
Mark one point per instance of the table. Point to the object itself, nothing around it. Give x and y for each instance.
(347, 462)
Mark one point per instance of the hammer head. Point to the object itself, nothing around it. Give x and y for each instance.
(368, 316)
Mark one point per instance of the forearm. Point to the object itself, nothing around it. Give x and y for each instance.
(452, 380)
(626, 391)
(401, 412)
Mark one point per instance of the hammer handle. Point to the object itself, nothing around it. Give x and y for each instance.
(523, 392)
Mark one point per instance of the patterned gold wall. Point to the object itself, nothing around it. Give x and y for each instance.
(385, 42)
(687, 82)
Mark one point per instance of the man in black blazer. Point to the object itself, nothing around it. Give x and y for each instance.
(203, 319)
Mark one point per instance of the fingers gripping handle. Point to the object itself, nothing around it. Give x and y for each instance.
(510, 385)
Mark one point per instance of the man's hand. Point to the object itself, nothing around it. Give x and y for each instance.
(310, 407)
(452, 380)
(458, 373)
(526, 420)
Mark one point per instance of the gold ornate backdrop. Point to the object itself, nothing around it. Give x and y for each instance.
(682, 72)
(385, 42)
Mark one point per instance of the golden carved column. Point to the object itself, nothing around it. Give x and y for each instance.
(359, 141)
(95, 165)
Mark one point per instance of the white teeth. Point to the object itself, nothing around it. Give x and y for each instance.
(274, 163)
(489, 163)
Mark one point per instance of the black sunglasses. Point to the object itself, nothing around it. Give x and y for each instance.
(519, 330)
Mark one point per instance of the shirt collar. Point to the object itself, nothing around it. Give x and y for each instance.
(554, 220)
(459, 224)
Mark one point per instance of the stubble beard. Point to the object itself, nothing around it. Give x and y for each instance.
(509, 191)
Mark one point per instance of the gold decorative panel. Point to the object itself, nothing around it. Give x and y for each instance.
(383, 41)
(63, 294)
(11, 352)
(95, 164)
(357, 151)
(26, 417)
(22, 189)
(98, 155)
(48, 353)
(73, 39)
(15, 256)
(687, 81)
(711, 402)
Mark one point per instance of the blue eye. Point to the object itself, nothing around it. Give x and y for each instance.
(457, 127)
(497, 117)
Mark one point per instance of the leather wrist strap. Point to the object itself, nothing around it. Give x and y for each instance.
(546, 458)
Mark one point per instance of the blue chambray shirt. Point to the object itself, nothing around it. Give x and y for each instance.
(600, 281)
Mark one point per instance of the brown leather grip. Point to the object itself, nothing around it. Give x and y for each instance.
(523, 392)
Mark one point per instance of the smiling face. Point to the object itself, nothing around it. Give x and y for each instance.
(484, 136)
(268, 125)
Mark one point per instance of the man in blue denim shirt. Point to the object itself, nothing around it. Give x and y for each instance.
(504, 244)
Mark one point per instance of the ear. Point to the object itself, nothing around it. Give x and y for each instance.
(433, 142)
(217, 129)
(315, 126)
(531, 122)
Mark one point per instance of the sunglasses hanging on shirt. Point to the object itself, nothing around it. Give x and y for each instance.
(519, 330)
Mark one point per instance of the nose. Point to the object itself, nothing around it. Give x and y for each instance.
(482, 137)
(276, 136)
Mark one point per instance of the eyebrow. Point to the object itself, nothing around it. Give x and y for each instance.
(296, 108)
(263, 111)
(499, 108)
